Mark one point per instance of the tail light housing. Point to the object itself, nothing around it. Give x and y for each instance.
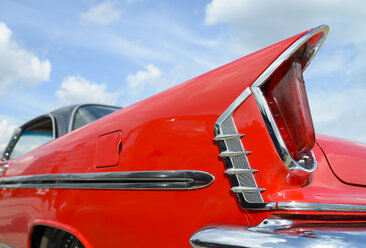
(286, 96)
(281, 97)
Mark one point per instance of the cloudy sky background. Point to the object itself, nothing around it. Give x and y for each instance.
(54, 53)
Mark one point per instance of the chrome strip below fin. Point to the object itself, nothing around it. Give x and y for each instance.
(320, 207)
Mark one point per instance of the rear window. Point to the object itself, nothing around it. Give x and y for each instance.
(86, 114)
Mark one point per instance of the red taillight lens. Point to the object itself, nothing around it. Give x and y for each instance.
(287, 100)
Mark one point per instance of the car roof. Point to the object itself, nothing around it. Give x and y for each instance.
(62, 117)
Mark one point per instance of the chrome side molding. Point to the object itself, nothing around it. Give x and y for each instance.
(131, 180)
(276, 233)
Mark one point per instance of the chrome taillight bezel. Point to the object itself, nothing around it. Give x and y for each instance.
(308, 163)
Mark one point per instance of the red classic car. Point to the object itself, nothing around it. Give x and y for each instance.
(227, 159)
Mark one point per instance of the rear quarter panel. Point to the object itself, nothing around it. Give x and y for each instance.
(173, 130)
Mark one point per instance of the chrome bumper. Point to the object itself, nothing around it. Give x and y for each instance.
(269, 234)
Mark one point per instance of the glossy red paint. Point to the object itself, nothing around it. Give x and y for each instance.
(172, 130)
(346, 158)
(280, 184)
(108, 149)
(169, 131)
(324, 187)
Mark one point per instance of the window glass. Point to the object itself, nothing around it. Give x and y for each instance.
(33, 137)
(87, 114)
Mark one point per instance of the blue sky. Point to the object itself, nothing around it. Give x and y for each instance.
(54, 53)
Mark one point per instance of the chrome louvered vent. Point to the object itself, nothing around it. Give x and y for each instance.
(235, 157)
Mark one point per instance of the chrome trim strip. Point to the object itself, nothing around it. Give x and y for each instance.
(263, 106)
(320, 207)
(228, 136)
(233, 153)
(241, 189)
(233, 171)
(230, 110)
(291, 50)
(140, 180)
(273, 233)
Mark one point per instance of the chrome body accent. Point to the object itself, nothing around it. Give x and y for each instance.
(321, 207)
(228, 136)
(269, 225)
(241, 189)
(233, 153)
(233, 171)
(309, 164)
(235, 158)
(277, 233)
(3, 168)
(132, 180)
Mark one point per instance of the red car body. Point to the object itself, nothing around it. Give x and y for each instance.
(174, 132)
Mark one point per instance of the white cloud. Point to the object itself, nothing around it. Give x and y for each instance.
(19, 66)
(76, 89)
(7, 127)
(255, 24)
(101, 14)
(151, 79)
(151, 76)
(336, 77)
(340, 113)
(133, 1)
(134, 49)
